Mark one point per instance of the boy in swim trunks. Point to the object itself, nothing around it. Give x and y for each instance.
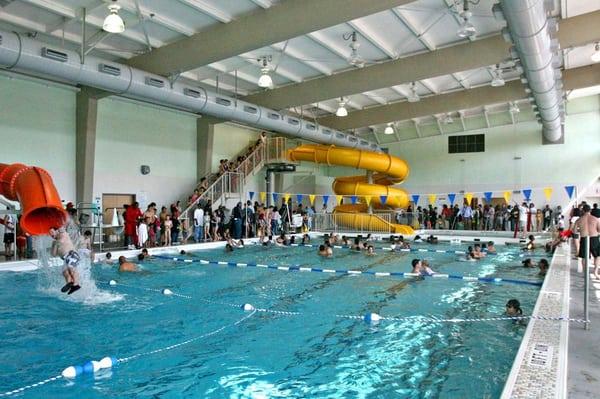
(64, 248)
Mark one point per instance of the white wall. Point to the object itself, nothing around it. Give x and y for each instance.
(230, 140)
(130, 135)
(37, 127)
(514, 159)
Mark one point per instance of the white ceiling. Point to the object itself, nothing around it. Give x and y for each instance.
(418, 27)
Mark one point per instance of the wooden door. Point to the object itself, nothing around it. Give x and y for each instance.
(115, 201)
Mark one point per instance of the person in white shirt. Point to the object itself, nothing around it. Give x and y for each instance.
(532, 217)
(198, 224)
(9, 235)
(523, 211)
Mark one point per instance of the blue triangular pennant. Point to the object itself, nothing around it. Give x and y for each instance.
(488, 196)
(275, 197)
(452, 197)
(383, 199)
(353, 199)
(570, 190)
(325, 199)
(251, 194)
(415, 198)
(527, 194)
(299, 198)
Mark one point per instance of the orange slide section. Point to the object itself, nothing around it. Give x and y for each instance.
(388, 169)
(33, 188)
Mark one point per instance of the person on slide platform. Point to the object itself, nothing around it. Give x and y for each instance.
(63, 247)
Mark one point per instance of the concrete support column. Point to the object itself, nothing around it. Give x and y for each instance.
(86, 120)
(205, 133)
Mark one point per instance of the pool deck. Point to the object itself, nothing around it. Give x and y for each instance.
(584, 348)
(540, 367)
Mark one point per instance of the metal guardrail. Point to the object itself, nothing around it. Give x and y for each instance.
(353, 222)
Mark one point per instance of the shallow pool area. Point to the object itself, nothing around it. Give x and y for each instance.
(306, 337)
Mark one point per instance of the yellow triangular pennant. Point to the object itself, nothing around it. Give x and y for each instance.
(368, 199)
(469, 197)
(311, 197)
(263, 196)
(548, 193)
(339, 199)
(507, 196)
(432, 198)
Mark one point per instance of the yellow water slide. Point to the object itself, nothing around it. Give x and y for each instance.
(388, 169)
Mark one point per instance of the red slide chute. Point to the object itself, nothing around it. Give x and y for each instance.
(33, 188)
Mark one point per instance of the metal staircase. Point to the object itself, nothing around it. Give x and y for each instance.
(229, 185)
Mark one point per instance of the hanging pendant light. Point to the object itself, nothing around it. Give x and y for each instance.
(467, 29)
(113, 23)
(265, 80)
(413, 97)
(341, 111)
(389, 129)
(596, 54)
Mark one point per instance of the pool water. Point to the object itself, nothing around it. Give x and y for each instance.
(268, 355)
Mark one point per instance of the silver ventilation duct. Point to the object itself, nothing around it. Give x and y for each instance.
(22, 53)
(531, 31)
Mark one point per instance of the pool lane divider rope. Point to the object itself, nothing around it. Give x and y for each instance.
(372, 318)
(399, 249)
(93, 366)
(299, 268)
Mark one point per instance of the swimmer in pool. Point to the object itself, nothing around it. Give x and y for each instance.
(323, 251)
(478, 253)
(416, 266)
(513, 309)
(432, 239)
(63, 247)
(281, 240)
(345, 241)
(425, 268)
(144, 255)
(544, 266)
(305, 239)
(470, 255)
(108, 259)
(530, 246)
(370, 251)
(228, 248)
(125, 266)
(528, 263)
(490, 248)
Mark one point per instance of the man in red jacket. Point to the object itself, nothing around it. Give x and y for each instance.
(131, 216)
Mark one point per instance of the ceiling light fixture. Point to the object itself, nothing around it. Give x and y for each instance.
(596, 54)
(113, 23)
(466, 29)
(497, 80)
(354, 59)
(341, 111)
(389, 129)
(265, 80)
(413, 97)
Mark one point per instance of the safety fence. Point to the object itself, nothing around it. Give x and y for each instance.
(362, 223)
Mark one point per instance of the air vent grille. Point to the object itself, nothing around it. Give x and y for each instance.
(109, 69)
(54, 55)
(223, 101)
(352, 139)
(293, 122)
(250, 110)
(191, 92)
(0, 40)
(364, 142)
(150, 81)
(272, 115)
(340, 135)
(311, 126)
(326, 131)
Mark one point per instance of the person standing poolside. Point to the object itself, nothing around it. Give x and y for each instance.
(9, 235)
(63, 247)
(198, 224)
(589, 226)
(523, 216)
(467, 214)
(595, 211)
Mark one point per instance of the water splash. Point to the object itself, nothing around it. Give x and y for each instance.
(50, 278)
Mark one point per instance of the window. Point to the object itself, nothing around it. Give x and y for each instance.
(469, 143)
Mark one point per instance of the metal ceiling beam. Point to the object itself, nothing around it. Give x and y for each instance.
(579, 30)
(368, 33)
(573, 79)
(281, 22)
(209, 9)
(404, 70)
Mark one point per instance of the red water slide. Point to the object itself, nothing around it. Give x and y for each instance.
(33, 188)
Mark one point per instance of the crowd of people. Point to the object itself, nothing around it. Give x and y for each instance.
(506, 217)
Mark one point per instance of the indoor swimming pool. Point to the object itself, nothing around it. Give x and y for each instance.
(306, 336)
